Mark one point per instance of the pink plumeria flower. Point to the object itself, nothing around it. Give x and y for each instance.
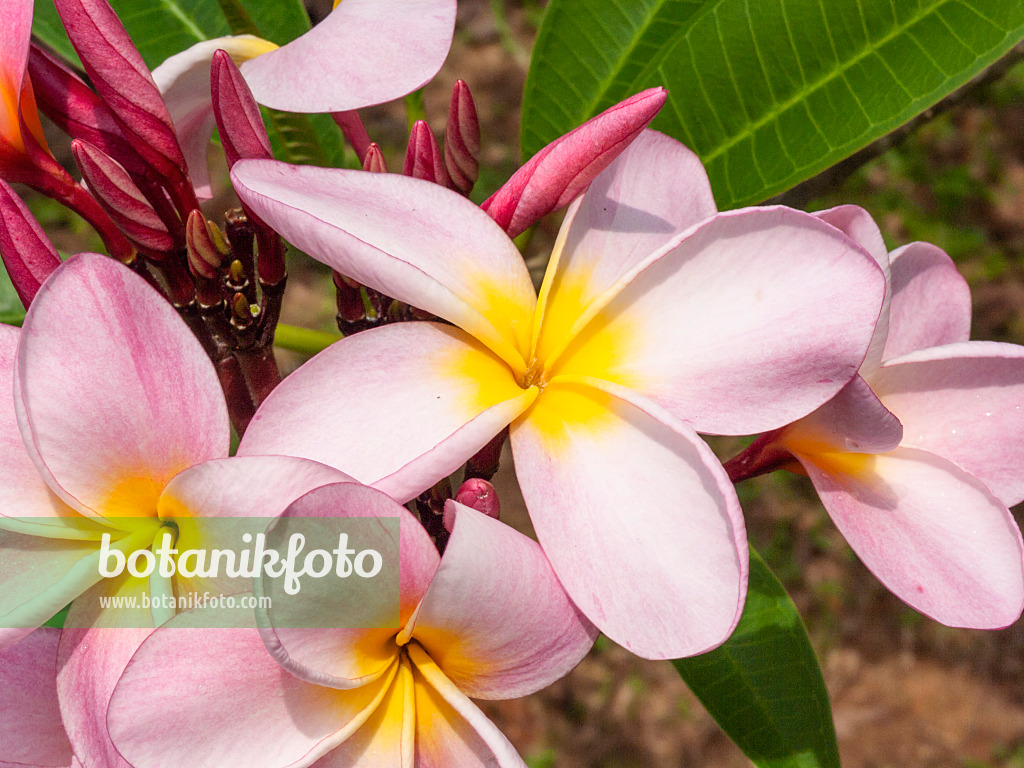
(917, 459)
(31, 731)
(487, 620)
(657, 317)
(116, 413)
(365, 52)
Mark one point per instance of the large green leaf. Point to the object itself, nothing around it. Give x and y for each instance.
(159, 28)
(764, 686)
(767, 92)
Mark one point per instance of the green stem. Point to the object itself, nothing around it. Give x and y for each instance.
(303, 340)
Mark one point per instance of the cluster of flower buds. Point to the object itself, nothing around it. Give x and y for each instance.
(138, 193)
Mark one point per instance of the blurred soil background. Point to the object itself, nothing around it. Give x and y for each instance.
(906, 692)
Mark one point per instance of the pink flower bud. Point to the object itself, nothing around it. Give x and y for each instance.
(423, 157)
(238, 117)
(27, 253)
(123, 82)
(478, 494)
(111, 185)
(374, 160)
(64, 98)
(566, 166)
(462, 139)
(205, 252)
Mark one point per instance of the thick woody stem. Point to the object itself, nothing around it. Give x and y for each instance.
(484, 464)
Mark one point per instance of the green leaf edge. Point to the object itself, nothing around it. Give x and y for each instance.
(766, 593)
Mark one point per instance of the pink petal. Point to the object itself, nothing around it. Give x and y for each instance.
(756, 318)
(106, 368)
(41, 575)
(398, 407)
(564, 168)
(965, 403)
(184, 83)
(637, 517)
(854, 420)
(450, 729)
(89, 663)
(347, 658)
(193, 696)
(15, 33)
(447, 258)
(365, 52)
(387, 738)
(31, 733)
(249, 489)
(931, 303)
(931, 532)
(857, 224)
(26, 501)
(495, 618)
(653, 191)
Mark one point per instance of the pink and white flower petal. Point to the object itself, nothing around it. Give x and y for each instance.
(854, 420)
(451, 729)
(348, 658)
(397, 407)
(653, 191)
(14, 40)
(495, 619)
(104, 364)
(931, 532)
(637, 517)
(964, 402)
(225, 696)
(184, 82)
(365, 52)
(41, 575)
(755, 319)
(857, 224)
(247, 489)
(448, 257)
(89, 663)
(387, 739)
(27, 504)
(931, 303)
(31, 733)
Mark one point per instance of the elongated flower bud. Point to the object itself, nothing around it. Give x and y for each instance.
(123, 82)
(207, 246)
(239, 121)
(374, 160)
(423, 157)
(73, 107)
(111, 185)
(566, 166)
(27, 252)
(462, 139)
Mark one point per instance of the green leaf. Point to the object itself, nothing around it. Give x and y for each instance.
(159, 28)
(11, 310)
(280, 21)
(767, 92)
(764, 686)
